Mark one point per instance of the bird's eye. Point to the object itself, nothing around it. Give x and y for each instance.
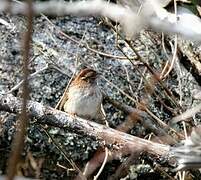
(88, 76)
(84, 77)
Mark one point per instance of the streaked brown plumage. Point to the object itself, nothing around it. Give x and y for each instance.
(84, 97)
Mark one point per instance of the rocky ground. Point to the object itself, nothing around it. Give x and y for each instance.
(51, 47)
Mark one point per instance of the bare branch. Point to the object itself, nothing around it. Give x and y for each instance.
(18, 142)
(151, 14)
(121, 142)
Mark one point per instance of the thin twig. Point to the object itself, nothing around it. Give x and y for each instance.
(172, 61)
(31, 76)
(106, 149)
(103, 164)
(164, 87)
(64, 154)
(86, 44)
(175, 46)
(146, 109)
(63, 99)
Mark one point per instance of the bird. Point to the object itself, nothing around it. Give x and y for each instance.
(84, 98)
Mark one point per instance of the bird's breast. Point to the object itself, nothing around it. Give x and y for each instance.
(84, 102)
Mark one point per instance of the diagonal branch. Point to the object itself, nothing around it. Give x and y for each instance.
(118, 141)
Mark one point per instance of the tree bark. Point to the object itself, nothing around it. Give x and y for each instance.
(117, 141)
